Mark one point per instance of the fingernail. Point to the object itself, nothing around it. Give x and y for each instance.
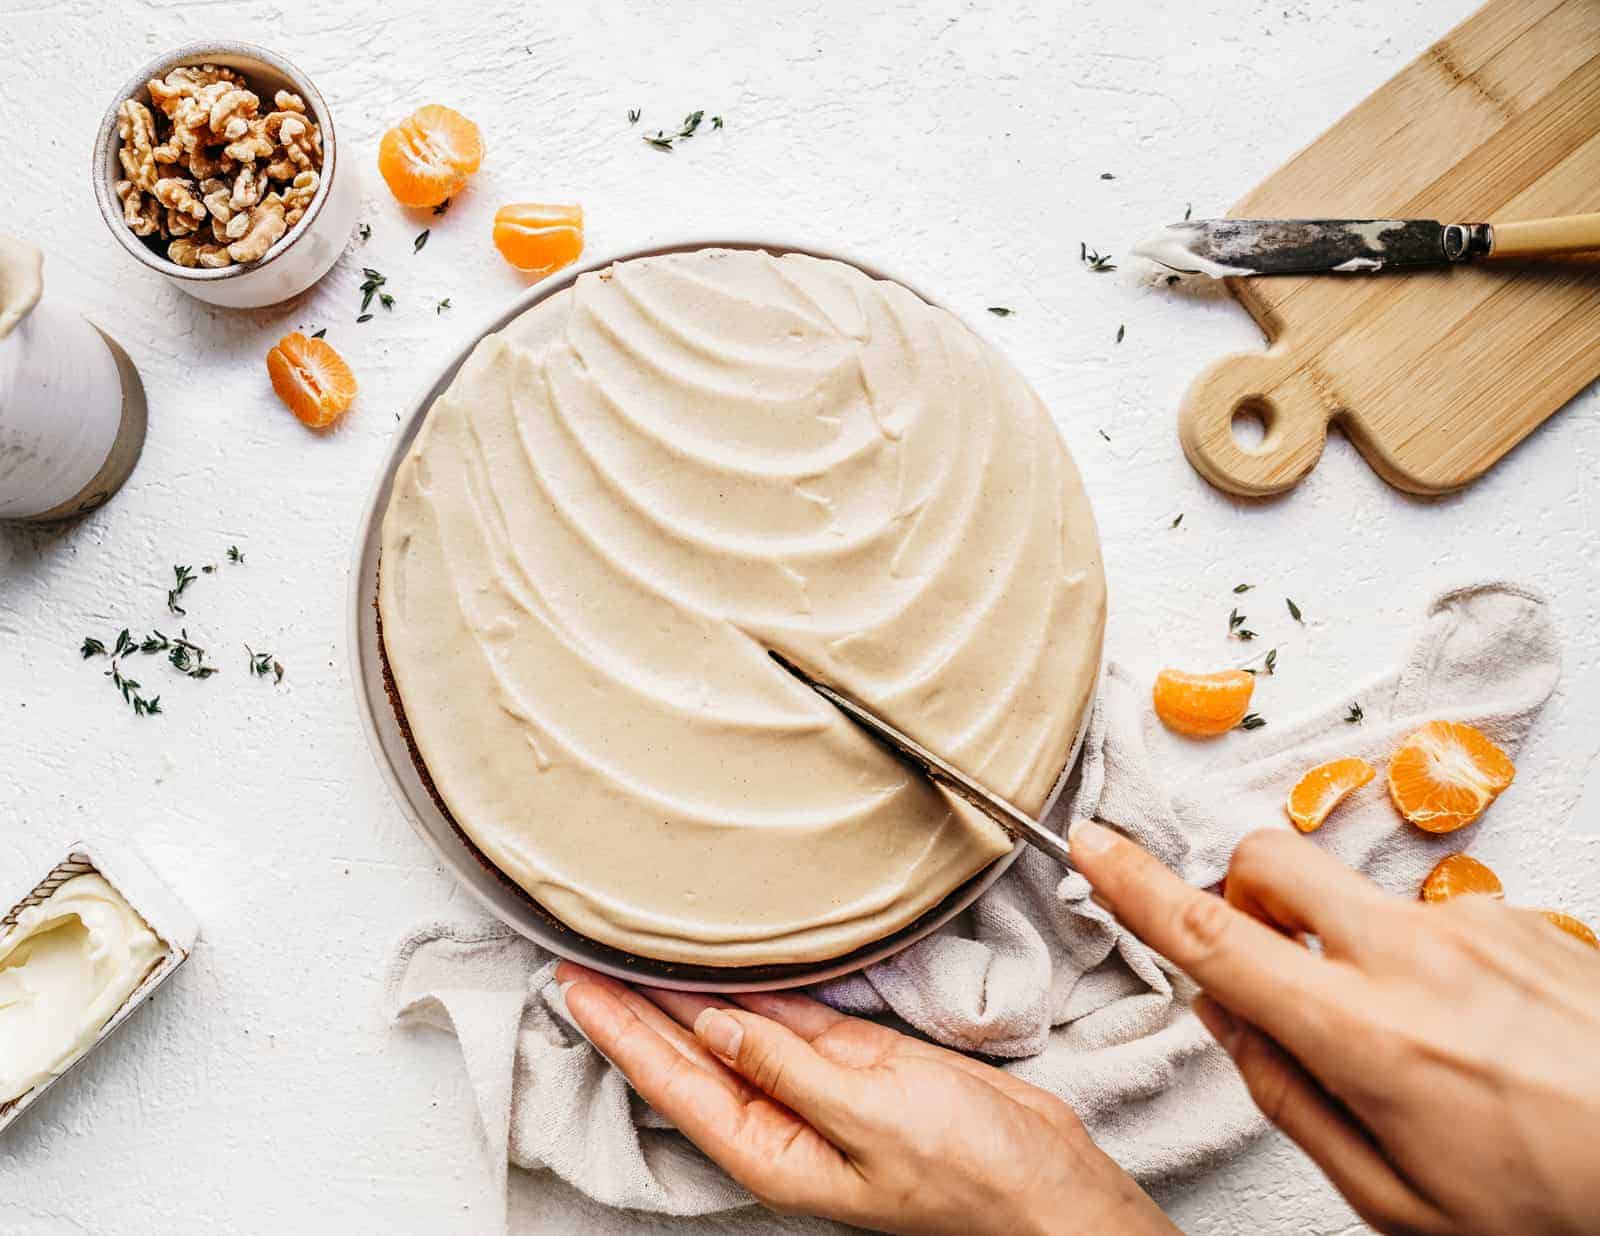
(564, 988)
(719, 1032)
(1087, 837)
(1224, 1028)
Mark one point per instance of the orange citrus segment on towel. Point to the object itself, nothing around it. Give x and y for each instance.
(1458, 874)
(428, 156)
(1202, 705)
(539, 239)
(1445, 774)
(1323, 788)
(1573, 927)
(311, 379)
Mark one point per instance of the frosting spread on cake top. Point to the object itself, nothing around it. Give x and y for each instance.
(645, 482)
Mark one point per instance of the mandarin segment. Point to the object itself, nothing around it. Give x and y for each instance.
(1202, 705)
(311, 378)
(1458, 874)
(537, 238)
(1443, 776)
(1573, 927)
(427, 157)
(1323, 788)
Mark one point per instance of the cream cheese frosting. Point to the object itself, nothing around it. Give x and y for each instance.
(652, 477)
(66, 967)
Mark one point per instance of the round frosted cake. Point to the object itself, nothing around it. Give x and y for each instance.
(647, 481)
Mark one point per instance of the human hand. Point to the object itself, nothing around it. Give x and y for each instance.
(1437, 1061)
(818, 1113)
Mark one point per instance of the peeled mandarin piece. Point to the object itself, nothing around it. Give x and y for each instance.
(1573, 927)
(311, 378)
(428, 156)
(537, 238)
(1202, 705)
(1456, 874)
(1445, 774)
(1323, 788)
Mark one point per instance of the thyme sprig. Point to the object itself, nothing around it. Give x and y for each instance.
(1096, 261)
(129, 689)
(184, 576)
(370, 287)
(234, 555)
(263, 663)
(1355, 716)
(1251, 721)
(662, 140)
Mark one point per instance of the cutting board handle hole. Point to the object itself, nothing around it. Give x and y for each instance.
(1252, 422)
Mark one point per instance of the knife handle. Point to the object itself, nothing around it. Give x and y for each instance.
(1545, 237)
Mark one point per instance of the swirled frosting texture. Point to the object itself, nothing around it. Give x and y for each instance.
(652, 477)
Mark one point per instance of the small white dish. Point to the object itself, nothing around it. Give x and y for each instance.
(306, 252)
(151, 899)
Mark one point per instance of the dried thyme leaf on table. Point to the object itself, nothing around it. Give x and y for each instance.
(633, 115)
(184, 576)
(1355, 716)
(1001, 311)
(1235, 620)
(365, 231)
(1252, 721)
(691, 122)
(716, 122)
(442, 306)
(442, 207)
(92, 647)
(659, 140)
(234, 555)
(369, 287)
(422, 239)
(1242, 587)
(1122, 332)
(1294, 610)
(263, 663)
(1095, 260)
(1272, 661)
(1176, 520)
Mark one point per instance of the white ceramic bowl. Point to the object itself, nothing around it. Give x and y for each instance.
(306, 252)
(492, 889)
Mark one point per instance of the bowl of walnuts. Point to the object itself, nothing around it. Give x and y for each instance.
(216, 165)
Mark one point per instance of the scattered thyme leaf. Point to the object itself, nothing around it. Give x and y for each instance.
(92, 647)
(716, 122)
(124, 643)
(234, 555)
(1096, 261)
(365, 317)
(442, 305)
(386, 301)
(1294, 610)
(1272, 661)
(633, 115)
(261, 663)
(1001, 311)
(366, 231)
(659, 140)
(1103, 434)
(1122, 332)
(1188, 209)
(185, 576)
(1244, 634)
(442, 207)
(1176, 520)
(1237, 588)
(422, 239)
(319, 332)
(1107, 176)
(1235, 620)
(1252, 721)
(691, 122)
(370, 286)
(1355, 716)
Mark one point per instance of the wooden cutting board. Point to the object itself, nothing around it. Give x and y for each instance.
(1434, 375)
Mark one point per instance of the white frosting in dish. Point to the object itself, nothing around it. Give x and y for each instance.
(646, 481)
(65, 969)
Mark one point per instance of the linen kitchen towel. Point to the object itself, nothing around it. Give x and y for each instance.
(1036, 976)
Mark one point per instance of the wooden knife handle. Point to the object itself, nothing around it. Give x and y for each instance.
(1546, 237)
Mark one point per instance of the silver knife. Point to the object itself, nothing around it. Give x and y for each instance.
(1234, 247)
(1014, 820)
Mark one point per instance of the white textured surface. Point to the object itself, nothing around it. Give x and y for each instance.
(961, 147)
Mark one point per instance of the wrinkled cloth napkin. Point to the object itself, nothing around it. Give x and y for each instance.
(1036, 976)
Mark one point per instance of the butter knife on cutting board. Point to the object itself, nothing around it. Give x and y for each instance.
(1225, 248)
